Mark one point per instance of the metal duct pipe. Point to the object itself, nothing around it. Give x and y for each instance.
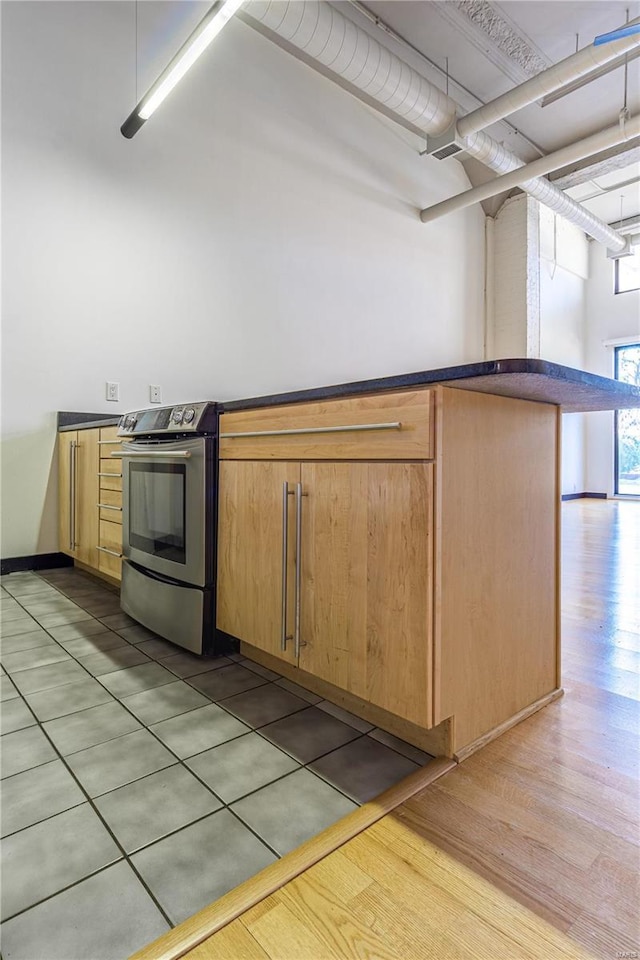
(545, 82)
(553, 161)
(346, 52)
(498, 158)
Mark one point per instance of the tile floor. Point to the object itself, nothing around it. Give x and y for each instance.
(140, 783)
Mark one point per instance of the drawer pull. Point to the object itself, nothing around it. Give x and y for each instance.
(108, 506)
(104, 442)
(307, 430)
(150, 454)
(110, 475)
(112, 553)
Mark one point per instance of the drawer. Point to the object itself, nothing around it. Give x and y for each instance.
(109, 435)
(110, 474)
(110, 565)
(111, 536)
(390, 426)
(110, 506)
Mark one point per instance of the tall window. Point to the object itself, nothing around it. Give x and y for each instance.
(627, 367)
(627, 273)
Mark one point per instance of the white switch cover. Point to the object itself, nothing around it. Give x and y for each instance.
(155, 393)
(113, 390)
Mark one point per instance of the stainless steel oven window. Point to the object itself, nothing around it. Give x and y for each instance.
(157, 521)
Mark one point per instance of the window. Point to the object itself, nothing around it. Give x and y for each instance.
(627, 272)
(627, 447)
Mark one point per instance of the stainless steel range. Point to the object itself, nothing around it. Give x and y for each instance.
(169, 479)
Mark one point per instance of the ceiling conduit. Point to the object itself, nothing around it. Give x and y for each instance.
(341, 48)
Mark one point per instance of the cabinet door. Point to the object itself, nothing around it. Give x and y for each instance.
(67, 514)
(250, 553)
(87, 462)
(367, 582)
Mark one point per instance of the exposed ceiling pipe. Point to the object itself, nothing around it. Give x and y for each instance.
(545, 82)
(322, 36)
(553, 161)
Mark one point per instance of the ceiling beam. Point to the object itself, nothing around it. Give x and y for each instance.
(602, 163)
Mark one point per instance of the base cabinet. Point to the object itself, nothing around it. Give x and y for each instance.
(424, 588)
(78, 494)
(90, 499)
(328, 566)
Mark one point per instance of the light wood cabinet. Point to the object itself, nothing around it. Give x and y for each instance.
(78, 492)
(90, 499)
(427, 585)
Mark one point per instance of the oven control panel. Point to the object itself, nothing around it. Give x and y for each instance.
(183, 418)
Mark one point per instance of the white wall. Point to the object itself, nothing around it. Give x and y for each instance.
(609, 317)
(259, 234)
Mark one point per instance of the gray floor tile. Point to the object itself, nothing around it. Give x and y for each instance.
(356, 722)
(188, 664)
(37, 794)
(110, 765)
(49, 856)
(157, 649)
(161, 803)
(58, 604)
(237, 657)
(53, 675)
(298, 690)
(15, 715)
(291, 810)
(73, 631)
(84, 729)
(48, 620)
(163, 702)
(198, 730)
(241, 766)
(309, 734)
(35, 657)
(11, 610)
(116, 621)
(364, 769)
(29, 588)
(261, 671)
(22, 624)
(137, 634)
(96, 643)
(123, 683)
(116, 658)
(226, 682)
(61, 701)
(401, 746)
(264, 705)
(196, 866)
(106, 917)
(102, 608)
(24, 749)
(7, 690)
(26, 641)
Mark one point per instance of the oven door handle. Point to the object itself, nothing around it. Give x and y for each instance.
(150, 454)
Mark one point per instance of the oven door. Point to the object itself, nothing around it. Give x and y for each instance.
(164, 487)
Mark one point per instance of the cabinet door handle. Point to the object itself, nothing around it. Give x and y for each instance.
(105, 442)
(285, 544)
(296, 635)
(110, 475)
(112, 553)
(108, 506)
(397, 425)
(72, 495)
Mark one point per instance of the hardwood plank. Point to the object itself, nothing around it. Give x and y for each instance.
(234, 941)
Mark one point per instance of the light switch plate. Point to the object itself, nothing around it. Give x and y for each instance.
(155, 393)
(113, 390)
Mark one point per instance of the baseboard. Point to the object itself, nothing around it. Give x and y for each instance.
(40, 561)
(580, 496)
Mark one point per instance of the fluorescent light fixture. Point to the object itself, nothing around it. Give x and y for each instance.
(208, 28)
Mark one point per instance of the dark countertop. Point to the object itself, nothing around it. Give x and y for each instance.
(575, 391)
(85, 421)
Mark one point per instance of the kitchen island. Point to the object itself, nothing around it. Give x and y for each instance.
(393, 544)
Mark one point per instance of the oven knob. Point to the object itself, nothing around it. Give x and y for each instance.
(188, 415)
(130, 422)
(176, 416)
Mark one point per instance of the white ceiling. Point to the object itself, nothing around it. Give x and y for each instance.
(491, 47)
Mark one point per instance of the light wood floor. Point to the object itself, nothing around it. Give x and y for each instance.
(528, 849)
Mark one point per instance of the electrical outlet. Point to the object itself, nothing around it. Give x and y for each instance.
(113, 390)
(155, 393)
